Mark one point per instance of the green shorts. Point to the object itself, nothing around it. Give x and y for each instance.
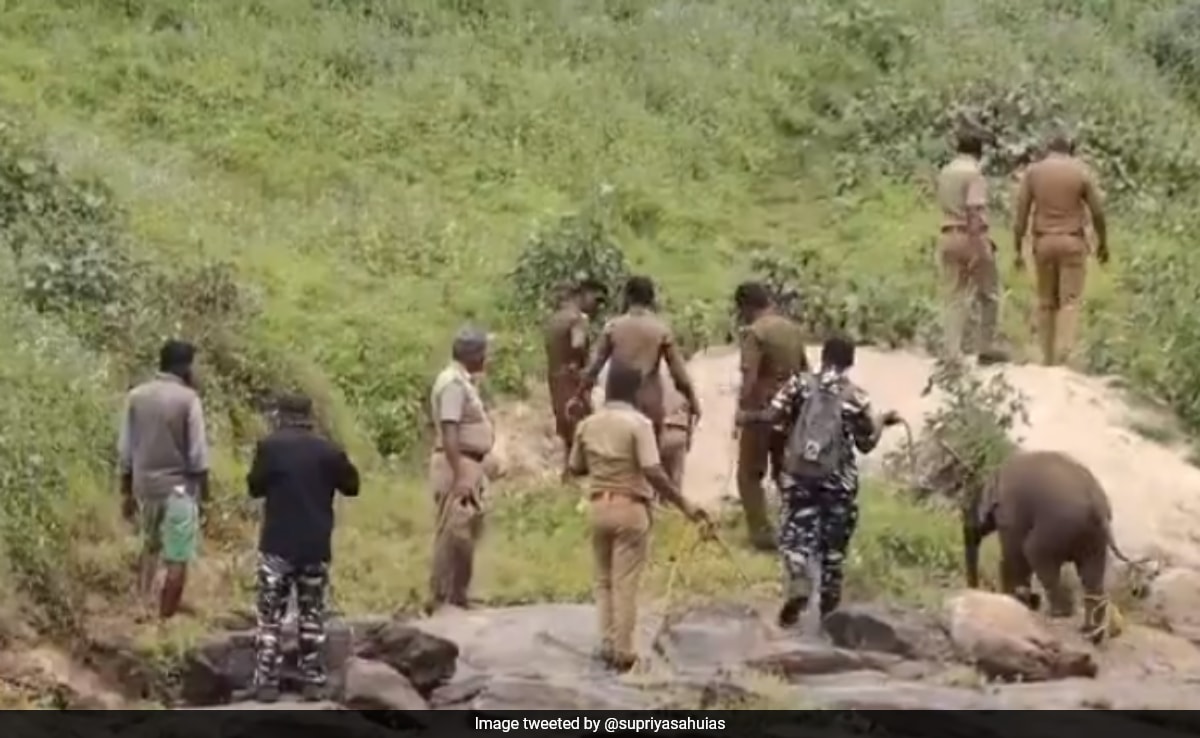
(170, 526)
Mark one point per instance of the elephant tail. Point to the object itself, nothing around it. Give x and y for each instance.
(1112, 545)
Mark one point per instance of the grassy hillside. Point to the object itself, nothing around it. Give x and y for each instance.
(319, 191)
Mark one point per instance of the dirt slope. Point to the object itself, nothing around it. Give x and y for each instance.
(1155, 492)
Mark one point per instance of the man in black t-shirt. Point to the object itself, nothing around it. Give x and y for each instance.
(296, 473)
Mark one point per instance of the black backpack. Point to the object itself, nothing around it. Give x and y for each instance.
(816, 442)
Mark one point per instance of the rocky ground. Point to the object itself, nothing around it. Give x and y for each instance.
(981, 651)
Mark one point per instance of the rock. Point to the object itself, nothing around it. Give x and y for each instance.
(795, 660)
(1174, 603)
(427, 661)
(1006, 640)
(516, 693)
(546, 640)
(888, 629)
(713, 636)
(876, 691)
(373, 685)
(223, 665)
(117, 660)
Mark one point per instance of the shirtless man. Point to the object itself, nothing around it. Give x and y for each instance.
(641, 339)
(567, 348)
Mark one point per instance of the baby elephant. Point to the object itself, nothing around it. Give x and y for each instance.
(1048, 509)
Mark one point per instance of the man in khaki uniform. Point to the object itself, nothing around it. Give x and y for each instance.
(640, 338)
(616, 448)
(772, 350)
(566, 340)
(966, 254)
(1059, 192)
(676, 438)
(456, 468)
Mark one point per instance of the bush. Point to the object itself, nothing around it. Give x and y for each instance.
(966, 438)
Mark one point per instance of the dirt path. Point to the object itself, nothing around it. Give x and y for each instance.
(1155, 492)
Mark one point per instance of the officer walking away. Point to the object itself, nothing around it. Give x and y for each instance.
(825, 417)
(296, 473)
(677, 435)
(567, 353)
(456, 468)
(163, 453)
(616, 448)
(772, 350)
(1057, 194)
(967, 255)
(641, 339)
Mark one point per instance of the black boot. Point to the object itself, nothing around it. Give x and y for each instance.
(789, 614)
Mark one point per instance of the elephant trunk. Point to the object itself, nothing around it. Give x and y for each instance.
(972, 538)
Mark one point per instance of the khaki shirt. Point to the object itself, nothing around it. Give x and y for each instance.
(615, 446)
(961, 185)
(162, 439)
(1060, 193)
(772, 350)
(455, 399)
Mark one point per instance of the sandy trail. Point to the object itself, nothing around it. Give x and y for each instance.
(1155, 492)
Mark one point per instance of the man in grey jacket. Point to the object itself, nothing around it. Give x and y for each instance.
(164, 471)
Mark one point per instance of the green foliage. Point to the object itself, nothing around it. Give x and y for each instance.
(576, 247)
(828, 298)
(54, 434)
(968, 436)
(1173, 43)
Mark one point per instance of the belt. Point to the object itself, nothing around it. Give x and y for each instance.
(958, 229)
(1072, 234)
(607, 495)
(475, 456)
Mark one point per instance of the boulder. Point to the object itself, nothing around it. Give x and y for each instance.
(712, 637)
(545, 640)
(888, 629)
(1005, 640)
(803, 658)
(427, 661)
(373, 685)
(222, 666)
(1174, 603)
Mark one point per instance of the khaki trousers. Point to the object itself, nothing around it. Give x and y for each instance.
(621, 545)
(969, 279)
(1061, 264)
(760, 450)
(458, 528)
(673, 447)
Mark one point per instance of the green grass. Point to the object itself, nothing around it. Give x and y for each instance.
(320, 191)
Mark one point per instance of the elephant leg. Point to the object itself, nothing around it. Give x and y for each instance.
(1041, 549)
(1092, 564)
(1015, 570)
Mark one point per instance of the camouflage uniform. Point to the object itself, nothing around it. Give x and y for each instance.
(276, 579)
(818, 519)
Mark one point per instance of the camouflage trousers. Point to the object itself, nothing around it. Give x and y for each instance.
(277, 579)
(817, 523)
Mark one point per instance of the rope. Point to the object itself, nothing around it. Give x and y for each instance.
(1112, 622)
(912, 449)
